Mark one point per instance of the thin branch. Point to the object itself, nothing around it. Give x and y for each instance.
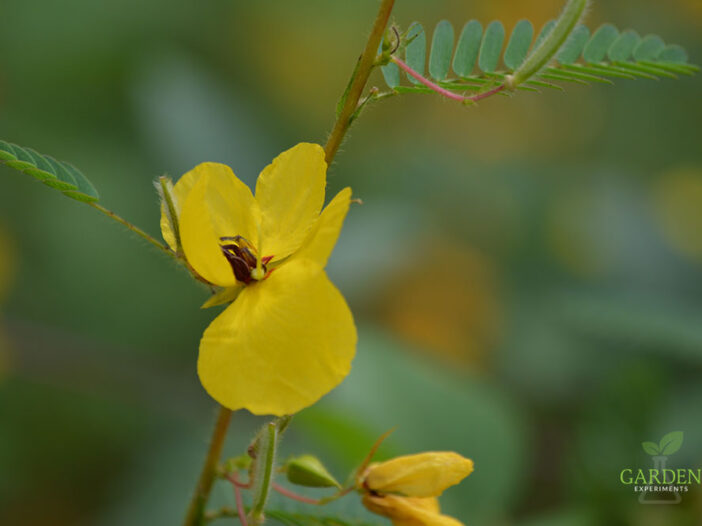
(195, 515)
(369, 457)
(442, 91)
(239, 501)
(358, 82)
(133, 228)
(292, 495)
(234, 479)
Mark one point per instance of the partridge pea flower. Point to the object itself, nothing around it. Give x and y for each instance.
(409, 511)
(288, 338)
(405, 489)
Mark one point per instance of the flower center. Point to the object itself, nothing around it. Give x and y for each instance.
(243, 259)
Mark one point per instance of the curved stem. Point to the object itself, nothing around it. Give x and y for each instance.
(572, 13)
(292, 495)
(358, 81)
(133, 228)
(239, 501)
(195, 515)
(442, 91)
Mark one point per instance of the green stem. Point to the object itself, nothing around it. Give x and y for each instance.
(195, 515)
(572, 13)
(269, 439)
(267, 446)
(358, 81)
(133, 228)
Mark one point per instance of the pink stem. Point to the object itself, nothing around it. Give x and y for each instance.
(287, 493)
(237, 497)
(232, 477)
(442, 91)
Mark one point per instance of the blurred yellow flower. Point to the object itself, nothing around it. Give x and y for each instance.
(7, 263)
(405, 489)
(7, 267)
(421, 475)
(677, 196)
(289, 337)
(454, 315)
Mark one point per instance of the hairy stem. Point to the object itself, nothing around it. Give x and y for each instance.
(195, 515)
(358, 80)
(572, 13)
(265, 460)
(133, 228)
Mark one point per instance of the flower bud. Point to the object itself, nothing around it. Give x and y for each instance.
(307, 470)
(422, 475)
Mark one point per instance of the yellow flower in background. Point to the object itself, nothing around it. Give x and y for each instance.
(421, 475)
(288, 338)
(405, 489)
(7, 263)
(676, 198)
(409, 511)
(7, 268)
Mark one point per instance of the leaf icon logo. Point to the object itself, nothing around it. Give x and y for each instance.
(668, 445)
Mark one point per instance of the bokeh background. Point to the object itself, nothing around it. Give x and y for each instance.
(525, 274)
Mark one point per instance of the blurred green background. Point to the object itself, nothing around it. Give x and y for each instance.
(525, 275)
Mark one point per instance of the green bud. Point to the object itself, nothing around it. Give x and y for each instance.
(307, 470)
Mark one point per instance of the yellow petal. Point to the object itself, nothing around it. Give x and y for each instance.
(409, 511)
(284, 343)
(321, 240)
(223, 296)
(422, 475)
(179, 194)
(218, 205)
(290, 192)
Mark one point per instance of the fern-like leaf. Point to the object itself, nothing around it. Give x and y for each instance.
(57, 174)
(296, 519)
(480, 60)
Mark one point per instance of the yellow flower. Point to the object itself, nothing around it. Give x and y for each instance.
(421, 475)
(288, 338)
(405, 489)
(409, 511)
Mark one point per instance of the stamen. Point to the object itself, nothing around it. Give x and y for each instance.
(242, 257)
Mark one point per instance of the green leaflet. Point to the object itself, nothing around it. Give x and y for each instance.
(416, 52)
(467, 49)
(596, 49)
(574, 46)
(673, 53)
(391, 74)
(441, 50)
(296, 519)
(623, 47)
(57, 174)
(583, 57)
(649, 48)
(491, 47)
(518, 45)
